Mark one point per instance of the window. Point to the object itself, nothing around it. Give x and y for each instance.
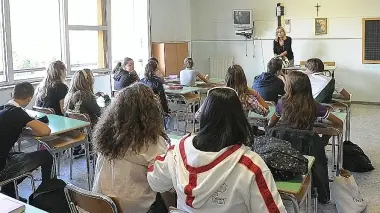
(83, 12)
(85, 50)
(130, 34)
(34, 33)
(88, 33)
(35, 36)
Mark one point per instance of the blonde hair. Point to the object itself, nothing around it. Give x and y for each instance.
(188, 63)
(282, 29)
(81, 88)
(55, 73)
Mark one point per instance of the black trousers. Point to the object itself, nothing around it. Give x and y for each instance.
(21, 163)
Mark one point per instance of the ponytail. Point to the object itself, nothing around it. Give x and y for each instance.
(117, 68)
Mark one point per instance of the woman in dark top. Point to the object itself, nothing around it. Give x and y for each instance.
(52, 90)
(282, 45)
(81, 98)
(154, 82)
(124, 74)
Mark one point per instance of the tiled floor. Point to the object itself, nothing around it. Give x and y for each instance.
(364, 131)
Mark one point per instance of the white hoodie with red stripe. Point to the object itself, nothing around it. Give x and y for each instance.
(233, 180)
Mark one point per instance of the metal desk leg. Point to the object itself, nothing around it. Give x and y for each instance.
(333, 154)
(87, 151)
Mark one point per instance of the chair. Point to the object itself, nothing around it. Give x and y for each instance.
(44, 110)
(329, 63)
(180, 105)
(87, 130)
(80, 199)
(15, 180)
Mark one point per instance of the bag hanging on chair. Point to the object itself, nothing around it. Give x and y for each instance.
(346, 195)
(282, 159)
(354, 159)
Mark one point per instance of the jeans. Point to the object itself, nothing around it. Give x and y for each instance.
(21, 163)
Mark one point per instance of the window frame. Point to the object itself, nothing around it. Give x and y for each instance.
(104, 40)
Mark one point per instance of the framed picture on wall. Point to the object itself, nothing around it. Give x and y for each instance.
(320, 26)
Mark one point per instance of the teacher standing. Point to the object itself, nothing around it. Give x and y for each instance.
(282, 45)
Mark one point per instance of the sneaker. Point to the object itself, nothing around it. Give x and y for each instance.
(78, 153)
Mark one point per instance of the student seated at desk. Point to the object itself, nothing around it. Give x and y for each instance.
(52, 90)
(250, 99)
(216, 171)
(268, 84)
(189, 75)
(322, 86)
(154, 82)
(159, 73)
(128, 137)
(297, 108)
(124, 74)
(81, 98)
(13, 119)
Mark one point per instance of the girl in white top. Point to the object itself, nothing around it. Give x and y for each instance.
(216, 171)
(188, 76)
(128, 136)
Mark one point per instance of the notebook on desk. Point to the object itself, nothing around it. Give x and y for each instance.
(9, 205)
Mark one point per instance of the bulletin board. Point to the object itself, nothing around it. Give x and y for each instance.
(371, 41)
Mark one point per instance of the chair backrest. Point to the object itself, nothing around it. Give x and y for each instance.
(78, 116)
(329, 63)
(44, 110)
(80, 199)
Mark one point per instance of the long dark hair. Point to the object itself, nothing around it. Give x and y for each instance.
(235, 78)
(120, 66)
(299, 107)
(55, 74)
(132, 122)
(150, 69)
(222, 122)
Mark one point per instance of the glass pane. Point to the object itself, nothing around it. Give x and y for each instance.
(29, 74)
(35, 34)
(83, 12)
(130, 33)
(84, 50)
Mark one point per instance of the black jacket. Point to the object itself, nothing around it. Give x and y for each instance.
(269, 86)
(124, 78)
(278, 49)
(308, 143)
(155, 83)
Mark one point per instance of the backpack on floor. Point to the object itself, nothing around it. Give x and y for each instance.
(282, 159)
(50, 197)
(354, 159)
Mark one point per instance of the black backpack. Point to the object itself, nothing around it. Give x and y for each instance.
(354, 158)
(282, 159)
(50, 197)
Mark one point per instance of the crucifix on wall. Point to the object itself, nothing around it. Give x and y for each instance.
(317, 6)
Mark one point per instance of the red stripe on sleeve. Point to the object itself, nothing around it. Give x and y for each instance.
(261, 183)
(189, 189)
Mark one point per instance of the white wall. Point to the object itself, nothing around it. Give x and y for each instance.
(170, 20)
(213, 35)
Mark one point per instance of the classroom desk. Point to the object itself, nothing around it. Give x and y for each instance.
(211, 81)
(302, 183)
(174, 139)
(28, 208)
(60, 126)
(183, 91)
(259, 120)
(303, 68)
